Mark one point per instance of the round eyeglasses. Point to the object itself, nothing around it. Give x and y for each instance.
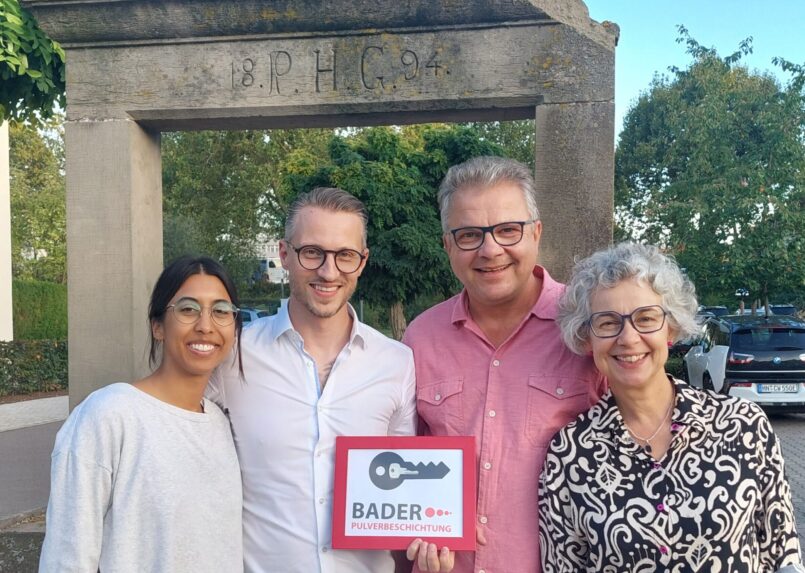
(505, 234)
(312, 258)
(188, 311)
(645, 320)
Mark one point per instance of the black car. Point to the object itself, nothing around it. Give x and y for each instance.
(760, 358)
(788, 309)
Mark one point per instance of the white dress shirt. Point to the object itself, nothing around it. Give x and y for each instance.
(285, 427)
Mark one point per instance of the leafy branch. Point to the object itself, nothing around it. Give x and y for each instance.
(31, 67)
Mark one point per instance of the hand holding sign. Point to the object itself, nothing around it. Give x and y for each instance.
(428, 558)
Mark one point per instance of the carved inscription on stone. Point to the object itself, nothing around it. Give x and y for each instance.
(374, 67)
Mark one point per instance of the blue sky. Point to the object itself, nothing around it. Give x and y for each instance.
(649, 31)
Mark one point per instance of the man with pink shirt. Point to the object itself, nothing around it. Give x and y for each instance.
(490, 361)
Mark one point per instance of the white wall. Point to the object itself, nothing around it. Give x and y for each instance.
(6, 316)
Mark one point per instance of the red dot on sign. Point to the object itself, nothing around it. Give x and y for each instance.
(429, 512)
(440, 512)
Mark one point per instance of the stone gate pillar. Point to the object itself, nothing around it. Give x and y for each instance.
(6, 310)
(114, 249)
(574, 177)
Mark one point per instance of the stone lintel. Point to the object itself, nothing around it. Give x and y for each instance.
(85, 22)
(337, 79)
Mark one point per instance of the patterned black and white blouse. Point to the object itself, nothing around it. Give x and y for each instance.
(717, 501)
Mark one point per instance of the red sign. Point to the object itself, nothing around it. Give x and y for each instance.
(390, 490)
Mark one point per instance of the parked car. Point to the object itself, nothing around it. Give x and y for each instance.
(747, 311)
(759, 358)
(252, 314)
(788, 309)
(681, 347)
(714, 310)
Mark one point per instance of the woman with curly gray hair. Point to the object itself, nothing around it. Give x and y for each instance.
(657, 476)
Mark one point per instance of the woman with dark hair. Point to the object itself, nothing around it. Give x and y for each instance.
(144, 476)
(657, 476)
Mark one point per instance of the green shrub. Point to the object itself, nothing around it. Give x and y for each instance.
(40, 310)
(676, 368)
(28, 366)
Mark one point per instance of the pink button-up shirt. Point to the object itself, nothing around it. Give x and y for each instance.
(513, 399)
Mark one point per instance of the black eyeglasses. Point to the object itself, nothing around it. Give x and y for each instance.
(312, 258)
(505, 234)
(188, 311)
(645, 320)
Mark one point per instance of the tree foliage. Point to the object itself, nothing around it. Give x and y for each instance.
(31, 67)
(396, 173)
(38, 219)
(515, 138)
(218, 191)
(710, 165)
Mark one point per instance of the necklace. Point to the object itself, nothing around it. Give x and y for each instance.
(647, 447)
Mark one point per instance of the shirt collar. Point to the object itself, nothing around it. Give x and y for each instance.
(282, 324)
(545, 307)
(605, 417)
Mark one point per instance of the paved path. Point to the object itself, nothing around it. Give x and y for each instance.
(25, 468)
(33, 412)
(791, 431)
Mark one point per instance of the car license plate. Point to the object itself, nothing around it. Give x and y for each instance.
(777, 388)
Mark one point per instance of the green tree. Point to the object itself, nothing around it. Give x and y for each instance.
(515, 138)
(396, 173)
(218, 189)
(710, 165)
(38, 221)
(31, 67)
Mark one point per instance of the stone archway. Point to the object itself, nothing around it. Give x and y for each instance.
(135, 69)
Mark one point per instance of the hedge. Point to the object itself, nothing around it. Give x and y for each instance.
(40, 310)
(28, 366)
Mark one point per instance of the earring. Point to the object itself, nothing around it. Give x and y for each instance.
(670, 343)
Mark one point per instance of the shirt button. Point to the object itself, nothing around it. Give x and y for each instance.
(321, 500)
(663, 550)
(660, 507)
(496, 363)
(483, 519)
(492, 413)
(657, 466)
(324, 549)
(487, 466)
(437, 397)
(560, 391)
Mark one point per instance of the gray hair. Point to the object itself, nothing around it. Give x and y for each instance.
(487, 171)
(329, 199)
(608, 267)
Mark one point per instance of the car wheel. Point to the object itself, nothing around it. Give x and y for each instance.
(707, 382)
